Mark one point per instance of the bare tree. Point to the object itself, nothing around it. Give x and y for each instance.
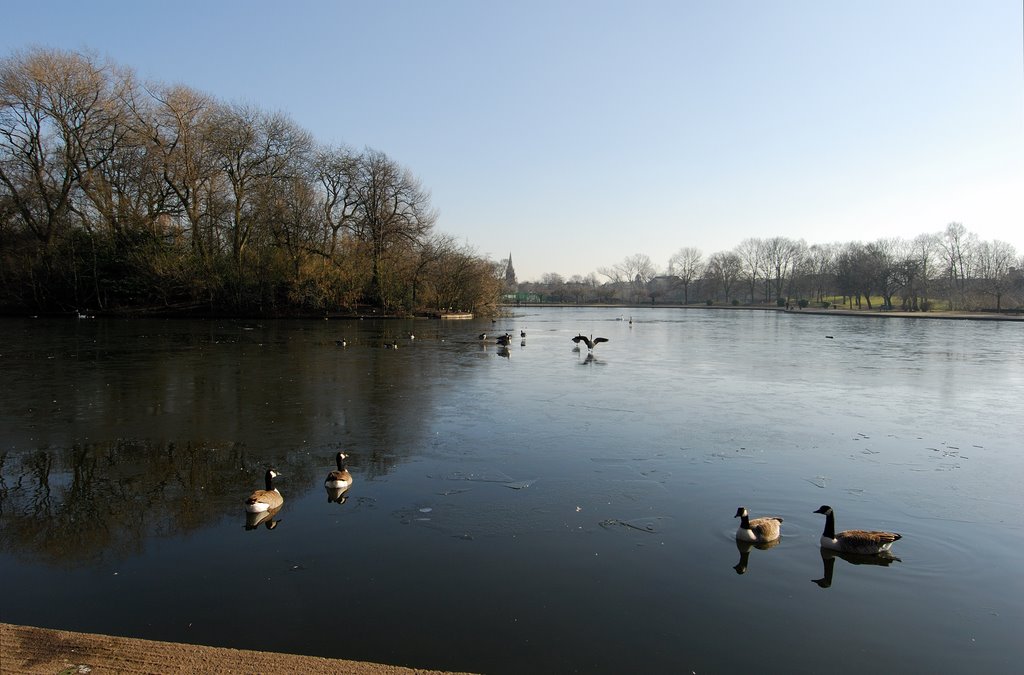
(885, 255)
(820, 268)
(639, 270)
(253, 149)
(994, 262)
(56, 120)
(957, 246)
(915, 265)
(856, 272)
(393, 211)
(179, 131)
(724, 268)
(780, 258)
(751, 253)
(687, 265)
(336, 171)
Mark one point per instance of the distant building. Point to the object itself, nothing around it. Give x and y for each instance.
(510, 274)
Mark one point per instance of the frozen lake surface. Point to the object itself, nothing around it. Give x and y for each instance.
(530, 509)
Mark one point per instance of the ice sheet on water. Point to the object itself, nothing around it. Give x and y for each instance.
(650, 524)
(475, 476)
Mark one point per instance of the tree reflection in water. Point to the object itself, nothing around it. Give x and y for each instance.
(92, 501)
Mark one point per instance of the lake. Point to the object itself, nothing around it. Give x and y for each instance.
(529, 509)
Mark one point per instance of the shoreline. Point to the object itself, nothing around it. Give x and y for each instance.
(34, 651)
(955, 315)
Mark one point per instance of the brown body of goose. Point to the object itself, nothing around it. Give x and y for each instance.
(863, 542)
(341, 478)
(759, 530)
(266, 499)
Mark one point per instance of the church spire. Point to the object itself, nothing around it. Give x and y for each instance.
(510, 272)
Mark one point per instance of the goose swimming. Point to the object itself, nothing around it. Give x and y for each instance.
(759, 530)
(265, 500)
(863, 542)
(340, 478)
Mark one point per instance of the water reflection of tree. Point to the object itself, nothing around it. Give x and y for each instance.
(91, 501)
(281, 392)
(391, 394)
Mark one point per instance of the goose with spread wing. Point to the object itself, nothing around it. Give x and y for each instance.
(591, 341)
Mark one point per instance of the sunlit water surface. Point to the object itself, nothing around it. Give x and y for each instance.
(535, 509)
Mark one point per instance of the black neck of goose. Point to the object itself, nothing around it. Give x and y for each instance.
(830, 526)
(745, 521)
(269, 480)
(341, 463)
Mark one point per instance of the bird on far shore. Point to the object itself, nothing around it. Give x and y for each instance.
(591, 341)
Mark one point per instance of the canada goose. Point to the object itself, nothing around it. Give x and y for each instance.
(759, 530)
(265, 500)
(591, 341)
(863, 542)
(522, 333)
(341, 343)
(504, 340)
(340, 478)
(483, 336)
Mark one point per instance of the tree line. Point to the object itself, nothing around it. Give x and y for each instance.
(951, 269)
(118, 195)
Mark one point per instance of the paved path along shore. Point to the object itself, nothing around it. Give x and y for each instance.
(25, 649)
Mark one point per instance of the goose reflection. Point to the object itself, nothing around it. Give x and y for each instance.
(337, 495)
(744, 548)
(828, 563)
(265, 518)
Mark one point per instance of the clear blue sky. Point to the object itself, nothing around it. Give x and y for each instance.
(575, 133)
